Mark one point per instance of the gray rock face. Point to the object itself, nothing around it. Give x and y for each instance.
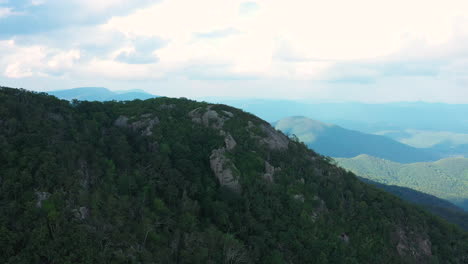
(299, 197)
(269, 172)
(81, 213)
(223, 170)
(167, 106)
(213, 119)
(231, 115)
(122, 121)
(413, 244)
(320, 209)
(229, 141)
(275, 140)
(41, 196)
(209, 118)
(145, 124)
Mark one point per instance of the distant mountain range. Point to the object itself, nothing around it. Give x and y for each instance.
(369, 118)
(335, 141)
(101, 94)
(446, 178)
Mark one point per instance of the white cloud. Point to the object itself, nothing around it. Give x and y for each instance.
(20, 62)
(6, 12)
(334, 46)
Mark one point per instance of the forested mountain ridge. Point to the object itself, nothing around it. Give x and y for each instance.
(437, 206)
(445, 178)
(177, 181)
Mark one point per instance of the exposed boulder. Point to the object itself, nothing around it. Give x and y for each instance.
(229, 141)
(269, 172)
(121, 121)
(167, 106)
(209, 117)
(274, 139)
(412, 244)
(82, 213)
(320, 209)
(41, 196)
(145, 124)
(299, 197)
(223, 170)
(231, 115)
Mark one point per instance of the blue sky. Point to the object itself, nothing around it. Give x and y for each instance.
(363, 50)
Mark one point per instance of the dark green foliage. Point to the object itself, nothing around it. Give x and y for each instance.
(112, 194)
(446, 178)
(433, 204)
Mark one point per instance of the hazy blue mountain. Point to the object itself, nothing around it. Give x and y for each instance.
(363, 117)
(100, 94)
(444, 142)
(335, 141)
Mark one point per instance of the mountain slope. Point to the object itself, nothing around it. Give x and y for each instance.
(100, 94)
(177, 181)
(437, 206)
(335, 141)
(446, 178)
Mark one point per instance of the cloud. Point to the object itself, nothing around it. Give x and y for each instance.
(20, 62)
(248, 8)
(221, 33)
(28, 17)
(141, 51)
(133, 57)
(361, 50)
(6, 12)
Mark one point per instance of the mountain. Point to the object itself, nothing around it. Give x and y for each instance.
(177, 181)
(437, 206)
(368, 118)
(100, 94)
(446, 178)
(335, 141)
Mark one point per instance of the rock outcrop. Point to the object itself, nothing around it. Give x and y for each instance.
(145, 124)
(224, 169)
(41, 196)
(274, 139)
(267, 135)
(82, 213)
(229, 141)
(269, 172)
(413, 244)
(210, 118)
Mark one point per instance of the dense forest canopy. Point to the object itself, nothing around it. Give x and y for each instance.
(177, 181)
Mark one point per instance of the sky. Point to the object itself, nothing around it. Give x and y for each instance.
(335, 50)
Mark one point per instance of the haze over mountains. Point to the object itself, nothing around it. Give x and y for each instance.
(100, 94)
(335, 141)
